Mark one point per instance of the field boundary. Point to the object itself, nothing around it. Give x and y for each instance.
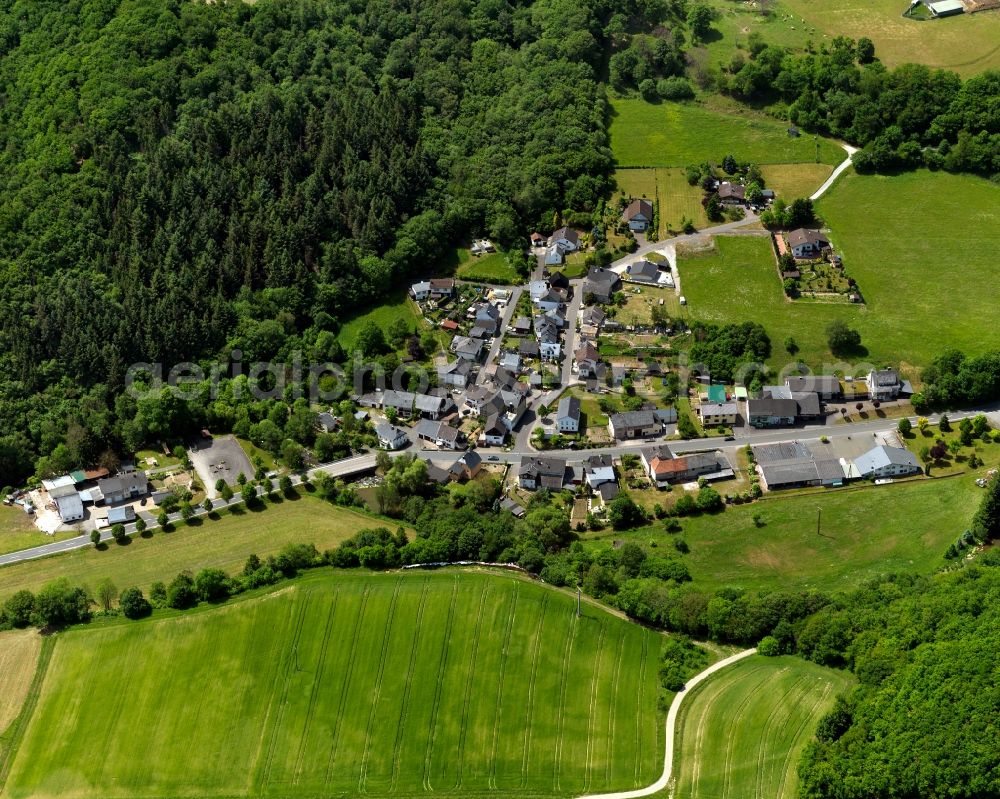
(11, 739)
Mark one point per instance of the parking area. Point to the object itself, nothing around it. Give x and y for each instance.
(217, 459)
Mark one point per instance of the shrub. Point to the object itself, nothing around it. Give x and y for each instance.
(769, 647)
(133, 604)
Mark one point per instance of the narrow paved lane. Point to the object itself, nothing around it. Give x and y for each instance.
(836, 172)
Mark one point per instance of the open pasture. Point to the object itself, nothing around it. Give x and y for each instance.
(346, 685)
(741, 733)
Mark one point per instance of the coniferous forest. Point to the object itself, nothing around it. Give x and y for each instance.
(183, 178)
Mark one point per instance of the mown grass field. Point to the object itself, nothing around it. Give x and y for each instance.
(741, 732)
(791, 181)
(678, 134)
(967, 44)
(920, 246)
(397, 306)
(223, 543)
(865, 531)
(19, 651)
(491, 268)
(18, 531)
(347, 685)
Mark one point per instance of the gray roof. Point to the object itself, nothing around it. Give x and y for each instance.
(569, 407)
(522, 323)
(808, 403)
(801, 471)
(806, 236)
(882, 456)
(718, 409)
(425, 403)
(565, 233)
(460, 367)
(121, 515)
(633, 419)
(823, 384)
(644, 270)
(388, 432)
(541, 465)
(511, 506)
(528, 347)
(783, 451)
(885, 377)
(773, 407)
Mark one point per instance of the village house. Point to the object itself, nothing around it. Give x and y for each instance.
(521, 326)
(826, 386)
(885, 462)
(805, 243)
(638, 215)
(406, 403)
(561, 243)
(884, 385)
(467, 348)
(550, 350)
(440, 434)
(643, 272)
(586, 360)
(634, 424)
(601, 284)
(528, 348)
(551, 300)
(568, 415)
(123, 487)
(713, 414)
(732, 193)
(457, 373)
(591, 321)
(790, 464)
(391, 437)
(664, 469)
(599, 470)
(541, 472)
(771, 412)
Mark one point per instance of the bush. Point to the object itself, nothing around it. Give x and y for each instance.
(181, 593)
(19, 607)
(133, 604)
(674, 88)
(769, 647)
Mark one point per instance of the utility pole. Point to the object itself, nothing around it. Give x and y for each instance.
(578, 596)
(819, 514)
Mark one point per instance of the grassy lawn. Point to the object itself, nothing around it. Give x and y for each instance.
(396, 306)
(19, 651)
(742, 731)
(575, 265)
(920, 246)
(224, 543)
(678, 200)
(986, 451)
(678, 134)
(253, 451)
(491, 268)
(865, 531)
(967, 44)
(162, 461)
(18, 531)
(790, 181)
(352, 684)
(638, 308)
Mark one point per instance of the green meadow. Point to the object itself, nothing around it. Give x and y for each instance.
(221, 543)
(741, 732)
(678, 134)
(344, 685)
(921, 246)
(863, 532)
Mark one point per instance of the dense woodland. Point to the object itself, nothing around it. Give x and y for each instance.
(181, 179)
(902, 118)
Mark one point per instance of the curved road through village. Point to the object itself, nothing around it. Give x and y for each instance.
(668, 757)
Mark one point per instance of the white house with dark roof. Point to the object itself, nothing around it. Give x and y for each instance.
(457, 373)
(634, 424)
(542, 472)
(391, 437)
(806, 243)
(568, 415)
(883, 384)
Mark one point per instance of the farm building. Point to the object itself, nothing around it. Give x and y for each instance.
(945, 8)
